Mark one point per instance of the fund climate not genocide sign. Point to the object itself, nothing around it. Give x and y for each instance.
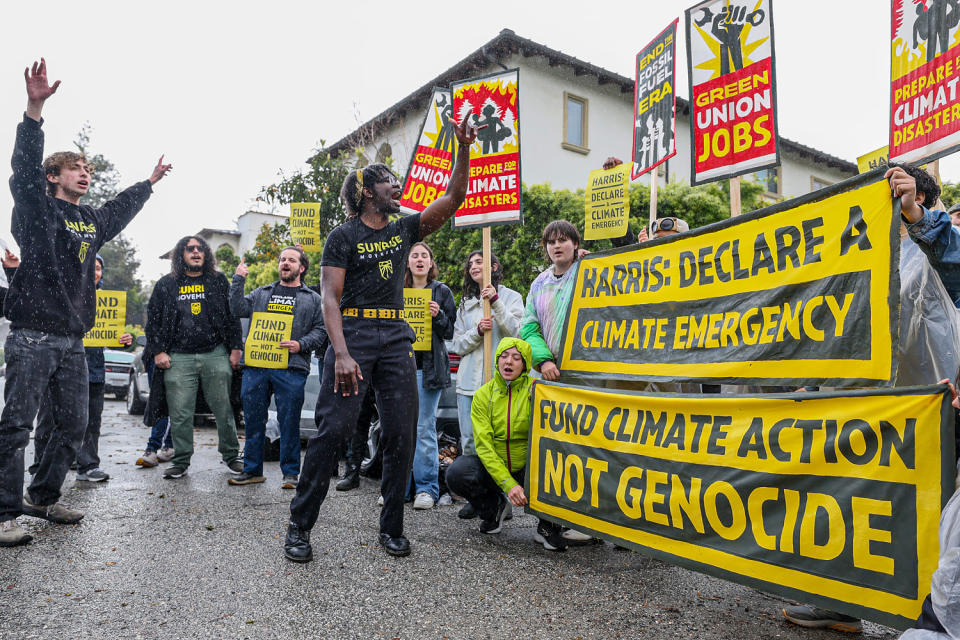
(803, 293)
(832, 499)
(111, 320)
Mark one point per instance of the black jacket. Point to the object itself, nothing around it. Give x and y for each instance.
(436, 362)
(163, 319)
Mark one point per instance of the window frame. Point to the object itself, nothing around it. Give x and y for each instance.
(825, 183)
(584, 128)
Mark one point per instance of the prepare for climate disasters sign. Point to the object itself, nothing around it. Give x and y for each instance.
(805, 292)
(925, 65)
(432, 160)
(831, 499)
(493, 190)
(416, 311)
(111, 320)
(654, 103)
(733, 120)
(607, 203)
(262, 347)
(305, 225)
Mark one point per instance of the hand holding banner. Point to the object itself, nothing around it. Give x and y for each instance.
(262, 348)
(111, 320)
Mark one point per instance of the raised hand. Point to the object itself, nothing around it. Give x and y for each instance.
(10, 259)
(38, 89)
(242, 269)
(466, 131)
(159, 171)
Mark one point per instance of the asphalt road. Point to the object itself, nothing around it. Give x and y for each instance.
(196, 558)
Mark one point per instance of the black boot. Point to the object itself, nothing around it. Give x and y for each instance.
(350, 480)
(297, 547)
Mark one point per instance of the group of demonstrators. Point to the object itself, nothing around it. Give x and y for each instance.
(353, 321)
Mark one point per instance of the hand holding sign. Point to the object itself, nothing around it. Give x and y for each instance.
(517, 497)
(904, 186)
(434, 309)
(292, 345)
(485, 324)
(242, 269)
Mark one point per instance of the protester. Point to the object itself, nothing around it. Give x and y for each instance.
(88, 452)
(506, 308)
(433, 374)
(954, 213)
(195, 340)
(51, 303)
(492, 478)
(362, 280)
(288, 296)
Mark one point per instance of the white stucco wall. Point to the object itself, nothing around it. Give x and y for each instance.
(249, 225)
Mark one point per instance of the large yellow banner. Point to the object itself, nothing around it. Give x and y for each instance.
(800, 293)
(832, 499)
(111, 320)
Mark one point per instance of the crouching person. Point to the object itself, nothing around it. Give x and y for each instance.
(501, 423)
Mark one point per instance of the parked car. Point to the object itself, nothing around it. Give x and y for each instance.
(118, 367)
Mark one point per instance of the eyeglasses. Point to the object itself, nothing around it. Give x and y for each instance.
(191, 248)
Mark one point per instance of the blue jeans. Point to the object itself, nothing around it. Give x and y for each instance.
(160, 433)
(426, 461)
(38, 362)
(464, 403)
(287, 386)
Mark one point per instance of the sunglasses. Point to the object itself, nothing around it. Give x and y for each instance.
(190, 248)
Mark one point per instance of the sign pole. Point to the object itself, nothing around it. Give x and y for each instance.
(935, 170)
(653, 197)
(735, 207)
(487, 335)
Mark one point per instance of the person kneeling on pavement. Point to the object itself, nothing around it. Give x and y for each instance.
(492, 479)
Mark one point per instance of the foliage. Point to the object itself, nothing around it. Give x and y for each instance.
(950, 194)
(227, 260)
(105, 182)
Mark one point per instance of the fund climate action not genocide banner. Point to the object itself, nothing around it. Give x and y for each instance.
(925, 70)
(429, 170)
(111, 320)
(655, 103)
(493, 191)
(803, 293)
(733, 120)
(831, 498)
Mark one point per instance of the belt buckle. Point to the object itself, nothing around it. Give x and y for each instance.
(350, 312)
(369, 313)
(385, 314)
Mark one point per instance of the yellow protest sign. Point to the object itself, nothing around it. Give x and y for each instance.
(111, 319)
(872, 160)
(262, 348)
(828, 498)
(607, 203)
(803, 292)
(416, 311)
(305, 225)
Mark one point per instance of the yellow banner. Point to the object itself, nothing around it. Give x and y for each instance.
(305, 225)
(874, 159)
(829, 498)
(607, 203)
(416, 311)
(800, 293)
(262, 348)
(111, 320)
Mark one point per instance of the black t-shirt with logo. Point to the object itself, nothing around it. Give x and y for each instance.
(195, 333)
(374, 260)
(282, 299)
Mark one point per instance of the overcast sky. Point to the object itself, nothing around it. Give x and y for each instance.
(235, 92)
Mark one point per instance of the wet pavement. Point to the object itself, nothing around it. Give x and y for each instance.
(196, 558)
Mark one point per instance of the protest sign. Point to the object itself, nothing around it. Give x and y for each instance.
(607, 203)
(429, 170)
(655, 103)
(111, 320)
(803, 292)
(925, 66)
(828, 498)
(305, 225)
(733, 119)
(493, 190)
(416, 311)
(872, 160)
(262, 347)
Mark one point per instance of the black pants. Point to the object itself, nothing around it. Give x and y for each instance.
(357, 446)
(88, 453)
(383, 350)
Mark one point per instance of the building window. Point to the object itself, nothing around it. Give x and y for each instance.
(770, 179)
(575, 110)
(385, 153)
(818, 183)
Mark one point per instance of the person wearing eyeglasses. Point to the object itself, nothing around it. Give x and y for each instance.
(195, 340)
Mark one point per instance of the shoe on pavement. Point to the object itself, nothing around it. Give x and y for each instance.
(290, 482)
(245, 478)
(380, 501)
(148, 459)
(173, 472)
(55, 512)
(467, 512)
(236, 466)
(423, 501)
(550, 537)
(12, 534)
(296, 546)
(350, 480)
(572, 536)
(395, 545)
(165, 454)
(807, 615)
(495, 523)
(94, 475)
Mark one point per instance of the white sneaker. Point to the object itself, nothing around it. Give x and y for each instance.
(423, 501)
(572, 535)
(380, 501)
(165, 454)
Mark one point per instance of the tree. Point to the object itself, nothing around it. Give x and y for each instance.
(950, 194)
(105, 183)
(227, 260)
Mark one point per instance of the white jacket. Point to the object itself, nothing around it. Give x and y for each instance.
(468, 342)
